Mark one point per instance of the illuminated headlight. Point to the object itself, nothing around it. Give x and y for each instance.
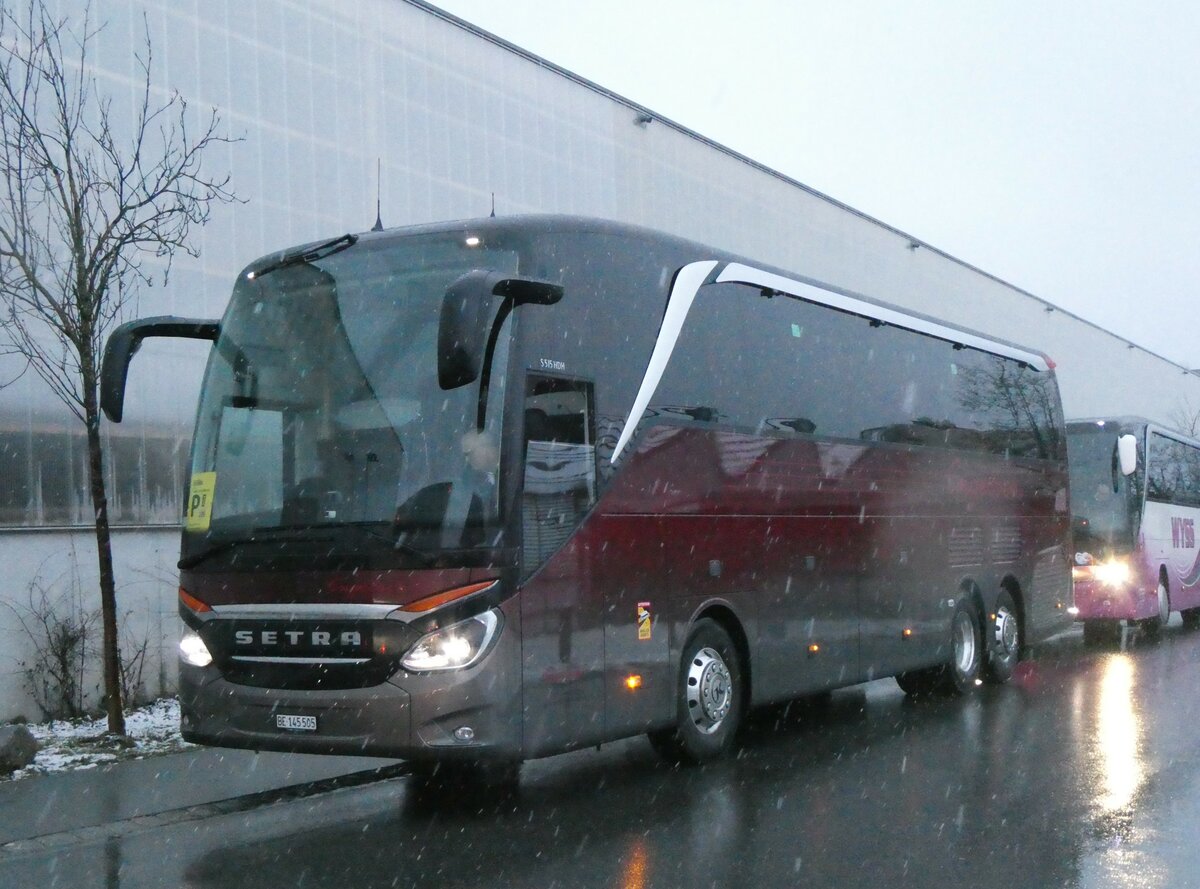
(193, 651)
(454, 647)
(1113, 573)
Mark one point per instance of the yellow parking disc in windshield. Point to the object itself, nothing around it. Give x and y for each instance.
(200, 498)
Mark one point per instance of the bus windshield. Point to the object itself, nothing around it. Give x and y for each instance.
(1104, 518)
(321, 410)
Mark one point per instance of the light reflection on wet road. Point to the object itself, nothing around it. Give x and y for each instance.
(1082, 773)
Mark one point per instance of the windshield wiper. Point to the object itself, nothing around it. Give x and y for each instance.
(225, 545)
(261, 536)
(320, 533)
(426, 558)
(309, 254)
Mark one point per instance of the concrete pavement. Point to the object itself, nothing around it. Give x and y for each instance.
(43, 806)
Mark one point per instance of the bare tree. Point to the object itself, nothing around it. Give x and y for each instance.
(93, 206)
(1185, 417)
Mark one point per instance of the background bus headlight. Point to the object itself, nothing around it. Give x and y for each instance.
(454, 647)
(1112, 573)
(193, 651)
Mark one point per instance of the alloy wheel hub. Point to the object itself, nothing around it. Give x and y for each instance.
(1006, 631)
(709, 690)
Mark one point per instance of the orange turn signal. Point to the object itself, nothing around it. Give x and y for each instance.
(634, 682)
(192, 603)
(431, 602)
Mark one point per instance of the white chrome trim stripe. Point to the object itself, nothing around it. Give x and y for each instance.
(306, 611)
(687, 282)
(738, 273)
(301, 660)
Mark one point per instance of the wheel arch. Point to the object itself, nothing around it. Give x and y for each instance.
(968, 587)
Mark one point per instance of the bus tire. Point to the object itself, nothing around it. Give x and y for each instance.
(1152, 626)
(1003, 640)
(960, 675)
(710, 698)
(1191, 618)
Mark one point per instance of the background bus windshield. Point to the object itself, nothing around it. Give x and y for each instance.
(1102, 516)
(321, 406)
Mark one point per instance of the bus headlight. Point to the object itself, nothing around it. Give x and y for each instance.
(1114, 572)
(193, 651)
(454, 647)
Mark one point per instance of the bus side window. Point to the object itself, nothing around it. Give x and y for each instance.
(560, 463)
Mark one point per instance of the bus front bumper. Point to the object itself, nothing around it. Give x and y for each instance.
(1101, 601)
(446, 716)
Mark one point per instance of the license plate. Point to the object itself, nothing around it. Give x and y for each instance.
(295, 723)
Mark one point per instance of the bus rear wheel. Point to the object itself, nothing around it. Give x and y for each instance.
(710, 699)
(961, 675)
(1003, 640)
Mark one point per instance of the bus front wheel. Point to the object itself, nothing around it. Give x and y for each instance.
(710, 698)
(1152, 626)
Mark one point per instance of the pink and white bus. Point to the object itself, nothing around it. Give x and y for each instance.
(1135, 497)
(496, 489)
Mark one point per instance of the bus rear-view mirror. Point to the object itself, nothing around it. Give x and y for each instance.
(125, 341)
(470, 309)
(1127, 454)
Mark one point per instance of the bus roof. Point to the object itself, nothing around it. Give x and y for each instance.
(853, 302)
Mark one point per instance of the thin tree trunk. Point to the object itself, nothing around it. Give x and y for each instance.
(108, 594)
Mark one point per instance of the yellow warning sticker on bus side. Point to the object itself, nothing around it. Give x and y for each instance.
(200, 498)
(643, 621)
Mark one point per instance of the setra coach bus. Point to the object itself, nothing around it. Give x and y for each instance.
(491, 490)
(1135, 496)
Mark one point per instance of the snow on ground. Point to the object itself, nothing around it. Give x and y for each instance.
(66, 745)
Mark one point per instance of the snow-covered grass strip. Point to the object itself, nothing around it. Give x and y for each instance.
(66, 745)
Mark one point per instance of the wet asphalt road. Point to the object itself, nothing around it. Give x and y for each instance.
(1085, 771)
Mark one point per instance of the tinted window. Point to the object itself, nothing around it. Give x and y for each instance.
(615, 291)
(1015, 408)
(778, 365)
(560, 463)
(1173, 471)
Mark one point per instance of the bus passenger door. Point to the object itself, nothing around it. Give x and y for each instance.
(561, 601)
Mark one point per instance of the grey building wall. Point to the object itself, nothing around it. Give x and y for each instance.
(319, 91)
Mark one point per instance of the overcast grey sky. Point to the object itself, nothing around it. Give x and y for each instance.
(1053, 144)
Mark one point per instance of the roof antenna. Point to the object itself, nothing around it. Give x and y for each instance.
(493, 216)
(378, 226)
